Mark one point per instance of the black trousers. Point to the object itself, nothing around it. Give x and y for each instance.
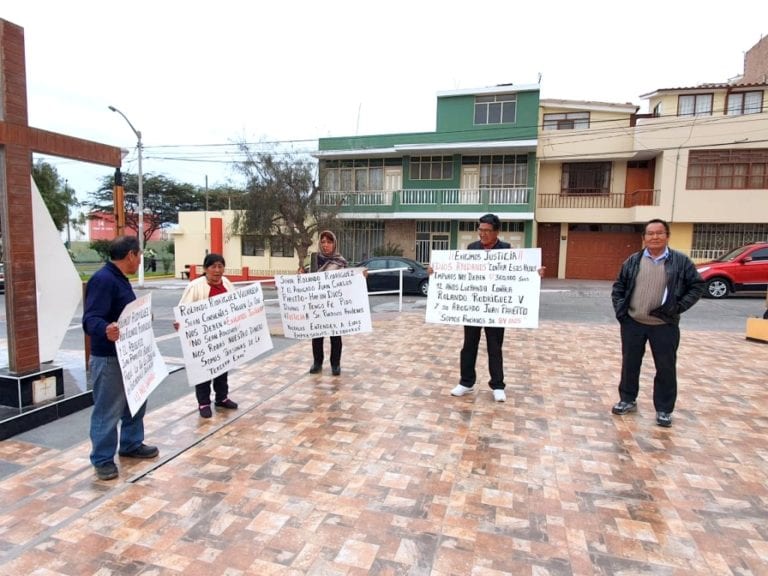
(494, 339)
(317, 350)
(220, 388)
(664, 340)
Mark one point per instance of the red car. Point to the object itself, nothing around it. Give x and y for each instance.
(744, 268)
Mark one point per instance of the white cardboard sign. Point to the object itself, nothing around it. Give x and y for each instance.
(485, 288)
(222, 332)
(141, 364)
(330, 303)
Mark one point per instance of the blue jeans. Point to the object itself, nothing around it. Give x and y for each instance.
(110, 406)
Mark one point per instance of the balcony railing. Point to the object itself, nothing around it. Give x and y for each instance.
(429, 196)
(380, 198)
(706, 255)
(594, 199)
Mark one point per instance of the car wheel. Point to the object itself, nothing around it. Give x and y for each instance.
(718, 288)
(424, 288)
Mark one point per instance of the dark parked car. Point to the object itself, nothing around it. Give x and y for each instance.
(744, 268)
(415, 277)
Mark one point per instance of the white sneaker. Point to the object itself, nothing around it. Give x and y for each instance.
(499, 396)
(461, 390)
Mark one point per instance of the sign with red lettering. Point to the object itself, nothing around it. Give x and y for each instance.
(485, 288)
(141, 364)
(222, 332)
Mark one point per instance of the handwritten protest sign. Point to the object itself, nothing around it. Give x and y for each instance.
(331, 303)
(485, 288)
(223, 332)
(140, 362)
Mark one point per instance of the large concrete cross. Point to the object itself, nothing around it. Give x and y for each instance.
(18, 141)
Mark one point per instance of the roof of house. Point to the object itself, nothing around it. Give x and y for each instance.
(711, 86)
(627, 107)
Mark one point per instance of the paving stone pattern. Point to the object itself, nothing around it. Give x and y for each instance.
(380, 471)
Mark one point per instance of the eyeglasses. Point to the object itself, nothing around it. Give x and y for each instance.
(652, 234)
(484, 230)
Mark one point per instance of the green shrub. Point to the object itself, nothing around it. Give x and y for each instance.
(388, 249)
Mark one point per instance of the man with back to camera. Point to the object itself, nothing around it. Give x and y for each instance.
(107, 294)
(654, 286)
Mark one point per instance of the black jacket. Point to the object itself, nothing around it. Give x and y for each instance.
(500, 245)
(684, 287)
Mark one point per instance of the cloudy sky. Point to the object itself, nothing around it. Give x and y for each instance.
(194, 77)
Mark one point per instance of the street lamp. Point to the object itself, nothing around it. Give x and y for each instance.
(141, 199)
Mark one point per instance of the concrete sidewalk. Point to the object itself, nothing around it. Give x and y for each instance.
(381, 471)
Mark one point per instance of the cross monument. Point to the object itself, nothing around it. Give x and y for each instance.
(18, 141)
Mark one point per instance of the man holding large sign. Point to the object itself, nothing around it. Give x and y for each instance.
(488, 291)
(107, 294)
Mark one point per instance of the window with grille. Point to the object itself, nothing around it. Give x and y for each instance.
(713, 240)
(745, 103)
(253, 245)
(694, 105)
(496, 109)
(360, 175)
(359, 238)
(471, 226)
(431, 168)
(586, 179)
(566, 121)
(281, 246)
(727, 169)
(508, 171)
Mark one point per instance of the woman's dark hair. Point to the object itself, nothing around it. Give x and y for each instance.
(212, 258)
(122, 246)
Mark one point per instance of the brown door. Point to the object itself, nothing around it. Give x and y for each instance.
(639, 184)
(549, 242)
(598, 255)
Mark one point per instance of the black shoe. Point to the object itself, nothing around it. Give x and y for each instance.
(106, 471)
(664, 419)
(143, 451)
(205, 411)
(336, 370)
(622, 408)
(315, 369)
(227, 403)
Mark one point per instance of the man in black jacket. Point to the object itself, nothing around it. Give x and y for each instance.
(653, 288)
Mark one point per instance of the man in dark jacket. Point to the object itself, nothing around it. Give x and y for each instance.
(107, 294)
(653, 288)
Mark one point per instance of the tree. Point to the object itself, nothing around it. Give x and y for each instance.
(101, 247)
(163, 200)
(281, 200)
(223, 198)
(58, 197)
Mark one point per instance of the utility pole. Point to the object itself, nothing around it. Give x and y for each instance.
(141, 197)
(68, 199)
(118, 200)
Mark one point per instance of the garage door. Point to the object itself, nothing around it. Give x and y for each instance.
(598, 255)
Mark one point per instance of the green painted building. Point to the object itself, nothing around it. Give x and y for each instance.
(424, 191)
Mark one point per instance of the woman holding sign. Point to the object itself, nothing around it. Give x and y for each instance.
(327, 259)
(212, 283)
